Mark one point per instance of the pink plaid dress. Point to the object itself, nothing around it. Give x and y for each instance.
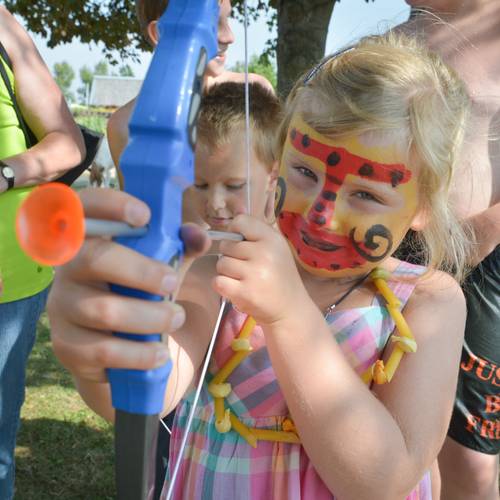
(223, 466)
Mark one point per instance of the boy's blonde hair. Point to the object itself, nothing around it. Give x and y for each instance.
(392, 84)
(222, 114)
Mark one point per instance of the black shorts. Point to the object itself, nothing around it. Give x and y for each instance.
(475, 422)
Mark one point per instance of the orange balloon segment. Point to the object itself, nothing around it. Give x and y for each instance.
(50, 224)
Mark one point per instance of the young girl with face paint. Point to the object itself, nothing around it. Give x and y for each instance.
(312, 392)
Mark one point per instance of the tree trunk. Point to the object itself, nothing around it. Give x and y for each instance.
(302, 32)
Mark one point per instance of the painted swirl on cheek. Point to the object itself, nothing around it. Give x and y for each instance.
(377, 231)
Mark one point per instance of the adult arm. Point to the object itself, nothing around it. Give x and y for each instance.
(486, 226)
(42, 104)
(117, 130)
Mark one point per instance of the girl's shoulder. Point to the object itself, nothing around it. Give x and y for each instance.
(435, 292)
(427, 285)
(435, 309)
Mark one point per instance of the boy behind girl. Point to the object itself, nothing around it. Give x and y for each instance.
(220, 189)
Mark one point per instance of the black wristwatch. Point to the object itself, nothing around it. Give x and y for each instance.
(8, 174)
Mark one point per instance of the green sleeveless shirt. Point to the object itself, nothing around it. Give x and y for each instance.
(21, 276)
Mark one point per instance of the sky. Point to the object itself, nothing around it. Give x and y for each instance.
(351, 19)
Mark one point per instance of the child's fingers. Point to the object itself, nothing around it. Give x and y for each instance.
(104, 261)
(227, 287)
(114, 205)
(251, 228)
(230, 267)
(242, 250)
(102, 310)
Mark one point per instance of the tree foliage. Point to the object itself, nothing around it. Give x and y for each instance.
(112, 22)
(260, 65)
(86, 77)
(64, 76)
(126, 71)
(101, 68)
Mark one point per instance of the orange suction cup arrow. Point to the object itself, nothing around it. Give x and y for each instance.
(50, 224)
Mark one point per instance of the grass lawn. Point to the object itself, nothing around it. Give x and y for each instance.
(63, 450)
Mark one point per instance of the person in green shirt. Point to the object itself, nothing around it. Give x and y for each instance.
(23, 283)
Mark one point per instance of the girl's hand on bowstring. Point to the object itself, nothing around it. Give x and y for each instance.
(83, 311)
(259, 275)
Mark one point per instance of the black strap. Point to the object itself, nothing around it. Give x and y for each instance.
(28, 134)
(5, 56)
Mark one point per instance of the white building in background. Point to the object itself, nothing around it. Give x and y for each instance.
(108, 92)
(113, 91)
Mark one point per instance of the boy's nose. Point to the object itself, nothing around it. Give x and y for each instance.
(216, 199)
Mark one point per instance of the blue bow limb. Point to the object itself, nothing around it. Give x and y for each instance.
(158, 164)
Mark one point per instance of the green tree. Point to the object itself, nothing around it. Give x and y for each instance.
(101, 68)
(86, 77)
(64, 76)
(126, 70)
(261, 65)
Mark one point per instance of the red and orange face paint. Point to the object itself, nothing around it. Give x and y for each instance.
(343, 205)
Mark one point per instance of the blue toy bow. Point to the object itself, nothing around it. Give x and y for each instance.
(157, 166)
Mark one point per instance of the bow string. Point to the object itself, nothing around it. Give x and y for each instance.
(176, 466)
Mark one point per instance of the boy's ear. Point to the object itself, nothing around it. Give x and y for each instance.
(273, 175)
(420, 220)
(269, 212)
(153, 32)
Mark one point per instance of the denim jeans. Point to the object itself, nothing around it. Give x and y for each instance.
(18, 321)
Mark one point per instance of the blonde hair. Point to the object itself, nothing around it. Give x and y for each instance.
(392, 84)
(222, 114)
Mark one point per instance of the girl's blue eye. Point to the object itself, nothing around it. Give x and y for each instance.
(306, 172)
(201, 186)
(364, 195)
